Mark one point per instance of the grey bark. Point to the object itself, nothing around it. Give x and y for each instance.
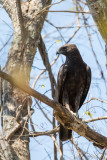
(27, 24)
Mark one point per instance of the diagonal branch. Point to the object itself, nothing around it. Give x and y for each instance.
(95, 119)
(43, 72)
(43, 53)
(21, 21)
(80, 151)
(46, 133)
(63, 115)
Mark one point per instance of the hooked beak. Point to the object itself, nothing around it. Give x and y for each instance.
(57, 52)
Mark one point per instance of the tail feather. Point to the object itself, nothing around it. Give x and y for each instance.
(64, 134)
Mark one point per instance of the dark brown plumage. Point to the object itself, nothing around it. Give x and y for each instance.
(74, 80)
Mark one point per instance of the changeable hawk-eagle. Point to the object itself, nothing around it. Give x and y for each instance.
(74, 80)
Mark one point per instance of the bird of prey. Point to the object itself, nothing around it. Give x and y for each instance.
(73, 83)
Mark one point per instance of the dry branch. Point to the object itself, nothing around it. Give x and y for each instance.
(80, 151)
(46, 133)
(43, 53)
(95, 119)
(63, 115)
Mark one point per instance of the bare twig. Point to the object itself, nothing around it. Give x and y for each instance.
(73, 35)
(66, 26)
(95, 99)
(64, 11)
(95, 119)
(42, 11)
(44, 55)
(42, 50)
(80, 151)
(55, 149)
(5, 43)
(43, 72)
(17, 126)
(43, 112)
(61, 148)
(18, 111)
(89, 37)
(101, 158)
(57, 146)
(29, 114)
(46, 133)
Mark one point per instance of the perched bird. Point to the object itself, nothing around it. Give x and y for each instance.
(73, 83)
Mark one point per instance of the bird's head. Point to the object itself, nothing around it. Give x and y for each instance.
(67, 49)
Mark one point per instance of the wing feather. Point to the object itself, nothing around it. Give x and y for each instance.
(87, 85)
(62, 75)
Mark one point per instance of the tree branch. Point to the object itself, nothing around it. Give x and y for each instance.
(80, 151)
(44, 55)
(46, 133)
(63, 115)
(95, 119)
(98, 9)
(57, 146)
(21, 21)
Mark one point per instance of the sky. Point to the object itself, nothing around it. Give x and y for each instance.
(41, 148)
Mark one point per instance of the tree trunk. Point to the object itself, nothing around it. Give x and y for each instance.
(98, 9)
(27, 19)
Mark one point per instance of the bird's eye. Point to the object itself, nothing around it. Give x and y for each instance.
(64, 48)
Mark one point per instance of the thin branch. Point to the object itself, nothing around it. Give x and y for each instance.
(61, 148)
(95, 119)
(93, 25)
(29, 114)
(47, 133)
(43, 72)
(16, 128)
(101, 158)
(3, 4)
(43, 112)
(73, 35)
(89, 37)
(44, 55)
(45, 9)
(6, 43)
(80, 151)
(95, 99)
(57, 146)
(63, 115)
(70, 11)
